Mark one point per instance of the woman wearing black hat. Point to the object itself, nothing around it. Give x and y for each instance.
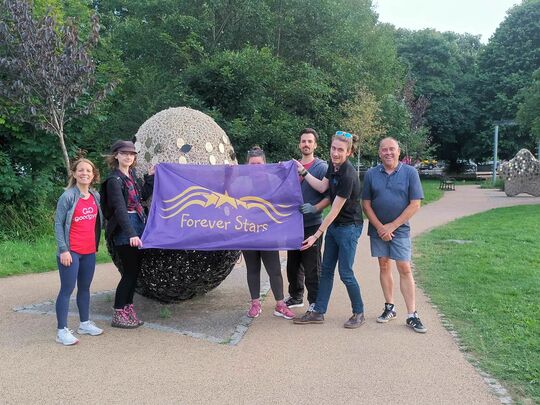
(126, 219)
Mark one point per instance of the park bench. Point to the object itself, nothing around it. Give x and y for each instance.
(447, 184)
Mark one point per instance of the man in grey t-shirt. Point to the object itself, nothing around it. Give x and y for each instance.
(391, 196)
(304, 266)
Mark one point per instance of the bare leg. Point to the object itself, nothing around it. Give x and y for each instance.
(406, 284)
(387, 281)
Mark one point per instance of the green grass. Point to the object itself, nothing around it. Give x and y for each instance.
(431, 191)
(164, 312)
(499, 184)
(21, 257)
(483, 272)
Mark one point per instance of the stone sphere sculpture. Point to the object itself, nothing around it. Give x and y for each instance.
(181, 135)
(521, 174)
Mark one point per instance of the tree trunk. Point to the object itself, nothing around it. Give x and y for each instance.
(279, 28)
(64, 151)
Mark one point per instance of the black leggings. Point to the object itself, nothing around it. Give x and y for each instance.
(131, 264)
(273, 268)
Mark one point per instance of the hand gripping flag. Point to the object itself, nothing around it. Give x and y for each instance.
(249, 207)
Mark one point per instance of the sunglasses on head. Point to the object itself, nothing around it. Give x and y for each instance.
(255, 152)
(344, 134)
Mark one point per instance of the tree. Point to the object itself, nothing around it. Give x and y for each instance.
(157, 41)
(48, 74)
(509, 60)
(417, 106)
(258, 99)
(506, 67)
(362, 117)
(528, 114)
(402, 120)
(207, 55)
(444, 66)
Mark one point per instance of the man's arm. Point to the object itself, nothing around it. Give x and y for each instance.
(372, 217)
(385, 230)
(320, 185)
(321, 205)
(414, 205)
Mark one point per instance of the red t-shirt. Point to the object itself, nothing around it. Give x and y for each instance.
(82, 234)
(307, 166)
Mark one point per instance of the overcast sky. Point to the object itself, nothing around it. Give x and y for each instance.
(478, 17)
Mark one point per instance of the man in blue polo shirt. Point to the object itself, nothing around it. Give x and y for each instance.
(391, 196)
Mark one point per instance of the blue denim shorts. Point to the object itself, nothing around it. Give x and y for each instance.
(396, 249)
(121, 237)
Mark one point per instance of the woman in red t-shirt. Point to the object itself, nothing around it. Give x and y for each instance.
(77, 228)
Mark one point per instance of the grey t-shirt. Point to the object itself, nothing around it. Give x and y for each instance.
(390, 194)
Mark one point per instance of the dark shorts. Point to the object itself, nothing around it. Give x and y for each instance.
(396, 249)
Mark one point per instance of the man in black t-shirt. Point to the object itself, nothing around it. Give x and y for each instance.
(343, 226)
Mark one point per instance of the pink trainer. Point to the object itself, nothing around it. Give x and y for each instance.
(283, 311)
(255, 309)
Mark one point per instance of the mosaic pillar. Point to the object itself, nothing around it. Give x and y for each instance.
(521, 174)
(181, 135)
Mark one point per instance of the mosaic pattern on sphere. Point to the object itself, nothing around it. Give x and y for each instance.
(181, 135)
(521, 174)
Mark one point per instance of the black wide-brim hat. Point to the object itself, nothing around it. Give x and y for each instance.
(123, 146)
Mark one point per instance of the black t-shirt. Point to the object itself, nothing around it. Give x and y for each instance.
(345, 183)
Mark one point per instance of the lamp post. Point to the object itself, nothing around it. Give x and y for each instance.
(496, 144)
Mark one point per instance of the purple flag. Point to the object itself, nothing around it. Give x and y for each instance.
(250, 207)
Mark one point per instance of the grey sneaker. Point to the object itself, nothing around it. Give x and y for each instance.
(415, 323)
(309, 317)
(65, 337)
(89, 328)
(388, 313)
(355, 321)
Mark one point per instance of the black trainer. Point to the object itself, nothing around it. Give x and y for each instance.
(415, 323)
(294, 302)
(388, 313)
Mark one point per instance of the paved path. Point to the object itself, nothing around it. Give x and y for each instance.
(276, 361)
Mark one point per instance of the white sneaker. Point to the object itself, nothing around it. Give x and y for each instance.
(65, 336)
(89, 328)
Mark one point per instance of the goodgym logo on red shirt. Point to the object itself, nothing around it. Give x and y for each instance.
(82, 232)
(88, 213)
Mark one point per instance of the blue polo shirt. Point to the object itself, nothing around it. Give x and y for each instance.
(390, 194)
